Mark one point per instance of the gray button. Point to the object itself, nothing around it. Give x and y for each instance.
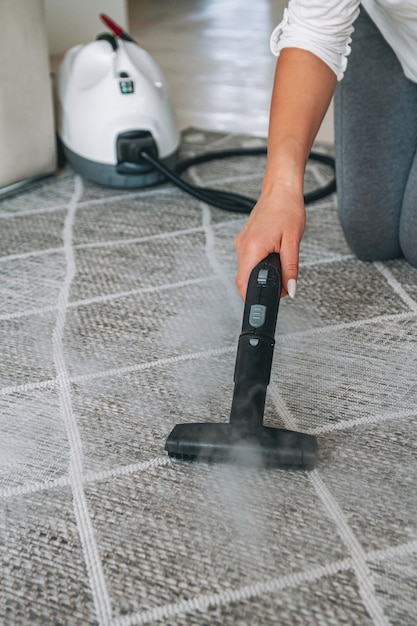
(257, 315)
(262, 277)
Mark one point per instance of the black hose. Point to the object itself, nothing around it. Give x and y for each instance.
(227, 200)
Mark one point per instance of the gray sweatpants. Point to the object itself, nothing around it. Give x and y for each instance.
(376, 150)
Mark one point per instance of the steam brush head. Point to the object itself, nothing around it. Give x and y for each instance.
(244, 445)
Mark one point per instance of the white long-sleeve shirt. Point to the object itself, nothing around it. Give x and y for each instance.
(324, 27)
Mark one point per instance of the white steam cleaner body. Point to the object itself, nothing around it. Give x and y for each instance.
(112, 102)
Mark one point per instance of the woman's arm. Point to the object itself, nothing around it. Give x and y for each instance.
(303, 88)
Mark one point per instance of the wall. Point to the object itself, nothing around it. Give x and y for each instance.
(27, 139)
(70, 22)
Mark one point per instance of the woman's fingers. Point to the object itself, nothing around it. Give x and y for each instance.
(248, 257)
(289, 254)
(271, 229)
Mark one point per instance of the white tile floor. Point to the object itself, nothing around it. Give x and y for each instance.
(215, 54)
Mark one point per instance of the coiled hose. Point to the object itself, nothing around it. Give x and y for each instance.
(228, 200)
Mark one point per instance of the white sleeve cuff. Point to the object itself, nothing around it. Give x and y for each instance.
(323, 28)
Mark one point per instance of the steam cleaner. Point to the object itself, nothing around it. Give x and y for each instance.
(117, 126)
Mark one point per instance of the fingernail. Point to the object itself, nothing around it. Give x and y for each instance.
(292, 288)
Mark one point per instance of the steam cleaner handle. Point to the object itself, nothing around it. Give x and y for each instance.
(256, 342)
(262, 297)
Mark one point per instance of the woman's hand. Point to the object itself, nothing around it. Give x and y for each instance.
(276, 224)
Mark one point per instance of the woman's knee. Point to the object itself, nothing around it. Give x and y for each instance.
(408, 223)
(368, 233)
(410, 252)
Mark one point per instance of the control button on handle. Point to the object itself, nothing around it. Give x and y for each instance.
(263, 277)
(257, 315)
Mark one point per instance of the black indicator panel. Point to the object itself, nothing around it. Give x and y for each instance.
(127, 86)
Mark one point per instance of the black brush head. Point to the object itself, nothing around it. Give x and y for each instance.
(259, 446)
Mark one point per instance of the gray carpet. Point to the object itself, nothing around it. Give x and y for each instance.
(119, 318)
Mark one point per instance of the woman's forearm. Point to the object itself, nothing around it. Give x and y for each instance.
(303, 88)
(302, 92)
